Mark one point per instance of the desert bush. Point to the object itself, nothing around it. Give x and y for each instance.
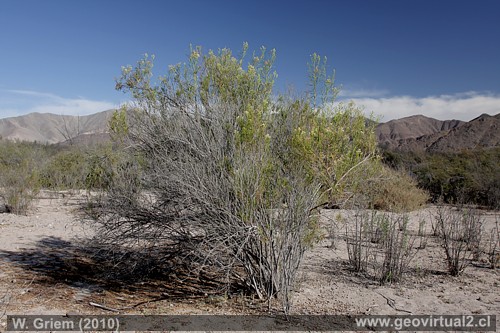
(379, 187)
(435, 225)
(225, 178)
(358, 238)
(65, 170)
(460, 229)
(471, 176)
(229, 208)
(422, 223)
(380, 244)
(82, 167)
(19, 174)
(19, 187)
(493, 251)
(397, 248)
(100, 168)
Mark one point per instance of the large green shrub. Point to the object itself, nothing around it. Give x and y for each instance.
(230, 174)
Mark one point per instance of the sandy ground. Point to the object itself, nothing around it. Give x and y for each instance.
(42, 271)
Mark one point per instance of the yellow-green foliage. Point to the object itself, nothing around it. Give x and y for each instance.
(118, 125)
(470, 176)
(392, 190)
(19, 177)
(242, 166)
(65, 170)
(309, 136)
(334, 142)
(77, 168)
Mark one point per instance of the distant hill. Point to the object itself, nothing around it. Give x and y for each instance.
(52, 128)
(420, 133)
(481, 132)
(88, 139)
(414, 133)
(396, 133)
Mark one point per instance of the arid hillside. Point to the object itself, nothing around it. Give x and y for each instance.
(419, 133)
(53, 128)
(398, 131)
(414, 133)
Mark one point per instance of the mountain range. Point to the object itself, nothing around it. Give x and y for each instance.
(414, 133)
(53, 128)
(420, 133)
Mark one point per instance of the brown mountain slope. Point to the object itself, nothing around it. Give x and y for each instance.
(481, 132)
(52, 128)
(396, 132)
(414, 133)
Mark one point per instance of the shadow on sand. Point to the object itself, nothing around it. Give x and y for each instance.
(85, 265)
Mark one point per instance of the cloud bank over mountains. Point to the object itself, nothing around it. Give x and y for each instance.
(461, 106)
(20, 102)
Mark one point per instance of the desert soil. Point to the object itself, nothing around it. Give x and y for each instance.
(42, 271)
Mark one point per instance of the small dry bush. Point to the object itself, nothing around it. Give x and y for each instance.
(398, 248)
(19, 178)
(386, 189)
(380, 244)
(19, 189)
(460, 230)
(358, 240)
(494, 245)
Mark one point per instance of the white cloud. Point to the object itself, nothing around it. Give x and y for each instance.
(19, 102)
(462, 106)
(34, 93)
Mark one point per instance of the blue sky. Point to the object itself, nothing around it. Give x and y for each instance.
(439, 58)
